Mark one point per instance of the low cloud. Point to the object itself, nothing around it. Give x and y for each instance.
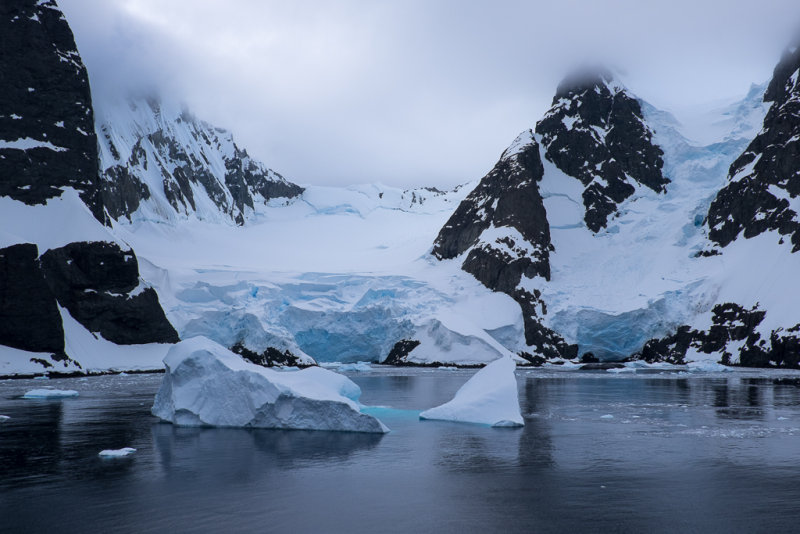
(413, 92)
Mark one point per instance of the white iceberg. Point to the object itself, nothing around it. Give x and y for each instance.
(4, 418)
(489, 397)
(207, 385)
(50, 393)
(116, 453)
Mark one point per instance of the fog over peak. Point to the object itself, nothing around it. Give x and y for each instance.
(414, 92)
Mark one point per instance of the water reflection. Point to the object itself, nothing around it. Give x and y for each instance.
(28, 441)
(597, 453)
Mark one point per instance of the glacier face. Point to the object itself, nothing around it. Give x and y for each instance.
(207, 385)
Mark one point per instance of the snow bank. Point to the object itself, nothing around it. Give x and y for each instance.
(207, 385)
(489, 397)
(50, 393)
(116, 453)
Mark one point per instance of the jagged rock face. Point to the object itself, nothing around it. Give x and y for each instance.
(764, 182)
(502, 223)
(29, 317)
(595, 132)
(270, 357)
(400, 351)
(502, 227)
(98, 283)
(47, 139)
(733, 335)
(157, 153)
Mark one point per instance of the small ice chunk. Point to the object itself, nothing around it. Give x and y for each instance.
(50, 393)
(707, 366)
(358, 367)
(207, 385)
(489, 397)
(4, 418)
(116, 453)
(607, 416)
(43, 377)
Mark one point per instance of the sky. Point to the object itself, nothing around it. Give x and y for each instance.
(414, 92)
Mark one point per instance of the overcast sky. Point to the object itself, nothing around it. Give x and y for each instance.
(414, 92)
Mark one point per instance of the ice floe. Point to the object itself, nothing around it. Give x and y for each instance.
(490, 397)
(207, 385)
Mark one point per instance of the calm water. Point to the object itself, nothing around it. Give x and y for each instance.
(599, 453)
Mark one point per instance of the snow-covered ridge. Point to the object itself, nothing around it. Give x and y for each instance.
(161, 163)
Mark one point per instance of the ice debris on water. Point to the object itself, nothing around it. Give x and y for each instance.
(116, 453)
(358, 367)
(207, 385)
(490, 397)
(50, 394)
(4, 418)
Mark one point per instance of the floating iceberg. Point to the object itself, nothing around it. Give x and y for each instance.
(489, 397)
(116, 453)
(50, 393)
(207, 385)
(4, 418)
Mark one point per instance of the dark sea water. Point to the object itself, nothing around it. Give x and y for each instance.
(599, 453)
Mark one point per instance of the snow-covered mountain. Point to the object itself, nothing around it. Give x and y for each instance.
(754, 232)
(71, 298)
(603, 229)
(159, 162)
(594, 222)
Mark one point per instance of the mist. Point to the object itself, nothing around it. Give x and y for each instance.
(412, 93)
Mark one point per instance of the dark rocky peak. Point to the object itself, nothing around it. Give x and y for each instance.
(158, 155)
(47, 138)
(595, 132)
(501, 231)
(504, 219)
(764, 182)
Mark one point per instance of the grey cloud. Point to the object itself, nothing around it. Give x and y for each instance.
(413, 92)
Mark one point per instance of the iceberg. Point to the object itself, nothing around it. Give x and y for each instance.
(50, 393)
(4, 418)
(207, 385)
(116, 453)
(489, 398)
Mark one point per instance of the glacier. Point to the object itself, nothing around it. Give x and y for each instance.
(207, 385)
(489, 398)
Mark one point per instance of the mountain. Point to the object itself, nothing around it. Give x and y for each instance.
(159, 162)
(754, 228)
(71, 297)
(47, 139)
(601, 223)
(595, 132)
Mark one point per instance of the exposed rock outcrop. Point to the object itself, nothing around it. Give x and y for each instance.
(29, 317)
(98, 283)
(764, 182)
(159, 156)
(47, 138)
(595, 132)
